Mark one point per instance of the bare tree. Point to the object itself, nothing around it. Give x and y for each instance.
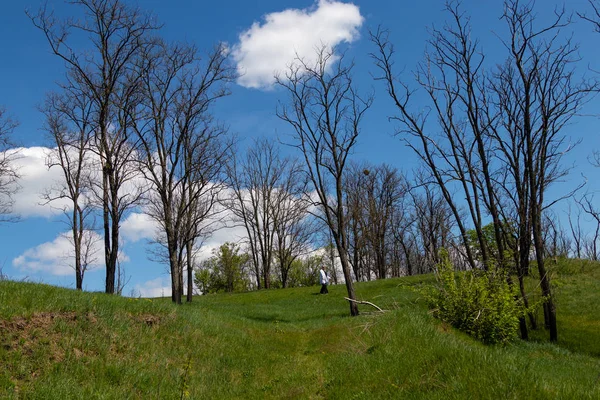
(325, 111)
(182, 149)
(594, 18)
(329, 260)
(433, 221)
(354, 187)
(373, 194)
(122, 279)
(406, 239)
(8, 174)
(457, 157)
(385, 189)
(294, 227)
(268, 199)
(518, 112)
(557, 242)
(591, 243)
(254, 182)
(240, 204)
(202, 217)
(542, 94)
(116, 33)
(576, 231)
(68, 123)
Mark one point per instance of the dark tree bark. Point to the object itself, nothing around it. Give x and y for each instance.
(576, 232)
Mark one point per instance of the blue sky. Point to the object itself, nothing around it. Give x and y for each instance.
(31, 248)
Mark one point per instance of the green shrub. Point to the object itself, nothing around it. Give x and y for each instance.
(480, 303)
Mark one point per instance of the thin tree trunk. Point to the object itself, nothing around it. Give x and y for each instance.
(77, 245)
(110, 270)
(549, 307)
(190, 271)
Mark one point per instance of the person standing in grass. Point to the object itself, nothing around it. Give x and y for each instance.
(324, 280)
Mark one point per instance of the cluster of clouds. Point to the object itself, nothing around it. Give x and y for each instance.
(269, 48)
(36, 181)
(54, 257)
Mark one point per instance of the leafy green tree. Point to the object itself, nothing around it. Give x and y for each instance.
(304, 271)
(225, 271)
(479, 302)
(489, 236)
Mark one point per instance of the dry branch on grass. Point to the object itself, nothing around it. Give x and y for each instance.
(365, 302)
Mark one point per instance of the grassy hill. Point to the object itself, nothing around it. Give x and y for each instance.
(61, 344)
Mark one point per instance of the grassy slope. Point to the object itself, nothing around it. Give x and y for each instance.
(577, 286)
(56, 343)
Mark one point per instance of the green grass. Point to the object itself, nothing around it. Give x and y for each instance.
(61, 344)
(576, 284)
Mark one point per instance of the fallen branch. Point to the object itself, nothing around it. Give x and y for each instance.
(364, 302)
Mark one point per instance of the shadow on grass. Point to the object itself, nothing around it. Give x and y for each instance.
(278, 318)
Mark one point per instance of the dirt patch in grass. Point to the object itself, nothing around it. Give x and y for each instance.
(27, 334)
(147, 319)
(31, 343)
(443, 327)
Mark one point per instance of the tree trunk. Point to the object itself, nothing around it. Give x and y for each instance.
(175, 277)
(110, 270)
(380, 256)
(190, 272)
(549, 307)
(349, 285)
(266, 274)
(77, 245)
(111, 267)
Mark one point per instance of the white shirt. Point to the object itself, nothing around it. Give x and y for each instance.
(323, 279)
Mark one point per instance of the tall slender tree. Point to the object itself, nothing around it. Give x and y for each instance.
(518, 112)
(68, 123)
(182, 150)
(268, 200)
(325, 111)
(294, 227)
(8, 174)
(116, 33)
(543, 95)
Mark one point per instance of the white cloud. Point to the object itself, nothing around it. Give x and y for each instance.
(35, 179)
(230, 234)
(138, 226)
(269, 48)
(158, 287)
(56, 257)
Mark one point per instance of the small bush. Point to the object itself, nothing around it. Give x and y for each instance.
(480, 303)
